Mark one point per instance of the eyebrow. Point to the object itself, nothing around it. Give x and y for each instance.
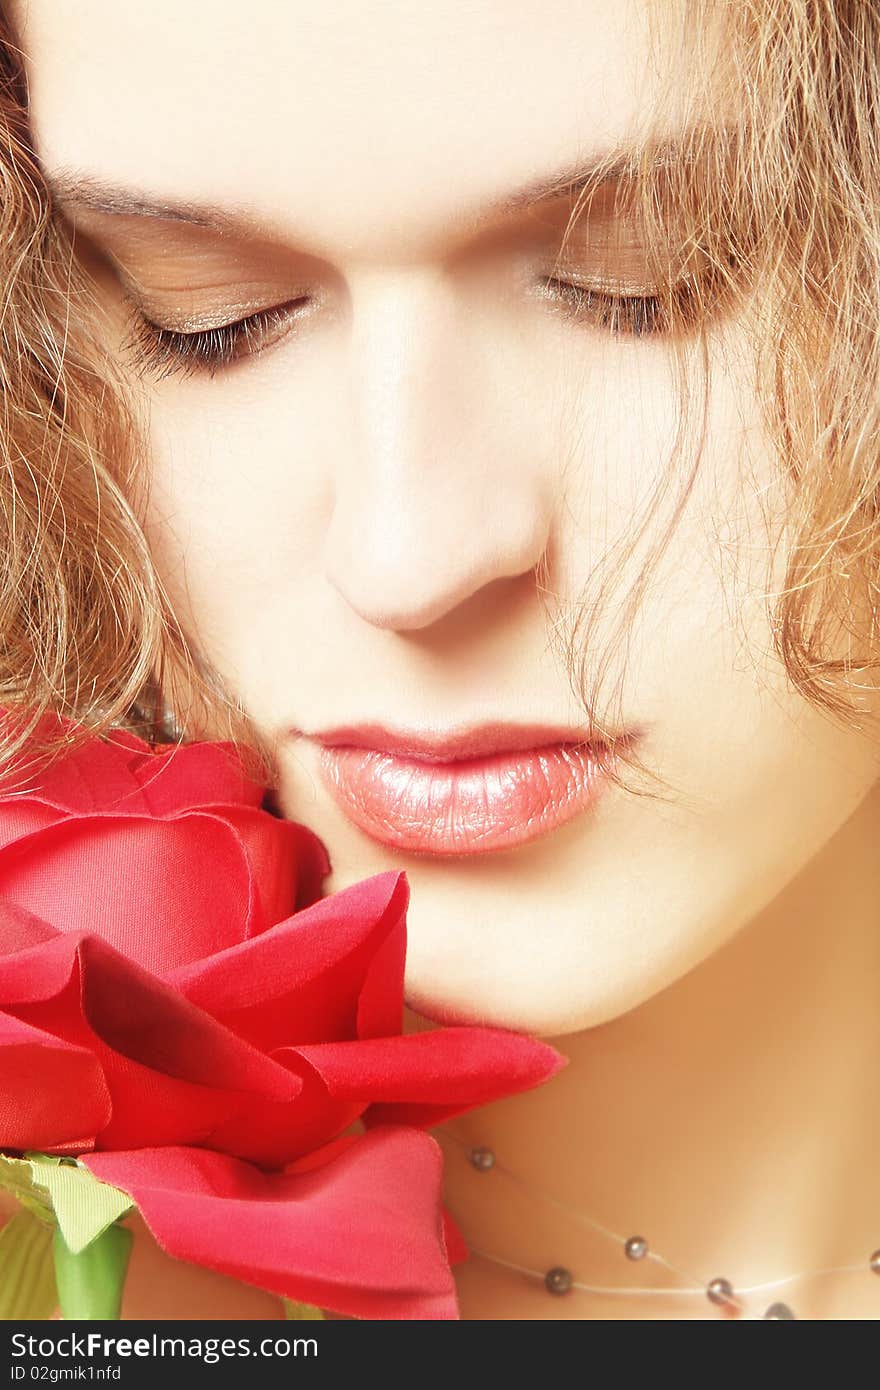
(72, 189)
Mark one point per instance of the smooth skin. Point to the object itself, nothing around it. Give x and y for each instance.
(351, 519)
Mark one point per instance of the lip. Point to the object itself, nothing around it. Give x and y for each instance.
(470, 791)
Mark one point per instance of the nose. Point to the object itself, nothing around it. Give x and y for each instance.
(441, 490)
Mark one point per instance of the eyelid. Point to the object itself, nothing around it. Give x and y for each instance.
(216, 316)
(612, 252)
(616, 270)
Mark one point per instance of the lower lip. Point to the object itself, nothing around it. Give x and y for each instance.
(470, 806)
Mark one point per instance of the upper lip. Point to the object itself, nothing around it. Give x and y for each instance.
(447, 746)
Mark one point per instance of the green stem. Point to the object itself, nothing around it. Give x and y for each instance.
(90, 1283)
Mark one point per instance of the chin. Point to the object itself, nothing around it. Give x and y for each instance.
(518, 1010)
(568, 999)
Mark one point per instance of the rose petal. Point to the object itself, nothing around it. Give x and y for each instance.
(183, 776)
(52, 1093)
(173, 1072)
(121, 772)
(140, 1017)
(275, 1133)
(162, 892)
(418, 1079)
(136, 825)
(20, 929)
(362, 1234)
(423, 1078)
(380, 1004)
(303, 979)
(456, 1246)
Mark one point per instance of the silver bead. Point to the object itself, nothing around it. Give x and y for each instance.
(482, 1159)
(719, 1291)
(874, 1261)
(636, 1248)
(779, 1311)
(558, 1280)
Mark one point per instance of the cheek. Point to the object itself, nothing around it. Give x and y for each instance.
(239, 502)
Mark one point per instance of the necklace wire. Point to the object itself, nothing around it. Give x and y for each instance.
(484, 1160)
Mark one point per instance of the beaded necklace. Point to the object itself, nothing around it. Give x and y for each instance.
(559, 1281)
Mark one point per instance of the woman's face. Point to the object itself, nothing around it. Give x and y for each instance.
(350, 510)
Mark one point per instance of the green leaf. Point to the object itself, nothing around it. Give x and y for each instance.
(302, 1311)
(84, 1206)
(27, 1278)
(16, 1176)
(90, 1281)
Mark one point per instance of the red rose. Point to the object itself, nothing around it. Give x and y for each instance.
(168, 855)
(217, 1093)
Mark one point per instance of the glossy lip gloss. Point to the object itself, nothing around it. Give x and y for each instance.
(491, 788)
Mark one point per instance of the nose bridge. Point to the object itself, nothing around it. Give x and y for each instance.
(431, 499)
(406, 388)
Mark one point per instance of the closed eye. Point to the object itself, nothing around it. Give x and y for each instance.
(638, 315)
(167, 352)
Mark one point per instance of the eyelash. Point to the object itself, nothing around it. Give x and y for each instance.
(636, 316)
(168, 352)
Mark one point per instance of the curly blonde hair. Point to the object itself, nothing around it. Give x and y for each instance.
(779, 186)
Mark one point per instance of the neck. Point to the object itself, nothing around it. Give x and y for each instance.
(732, 1120)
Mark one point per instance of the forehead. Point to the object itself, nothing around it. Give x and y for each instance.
(367, 123)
